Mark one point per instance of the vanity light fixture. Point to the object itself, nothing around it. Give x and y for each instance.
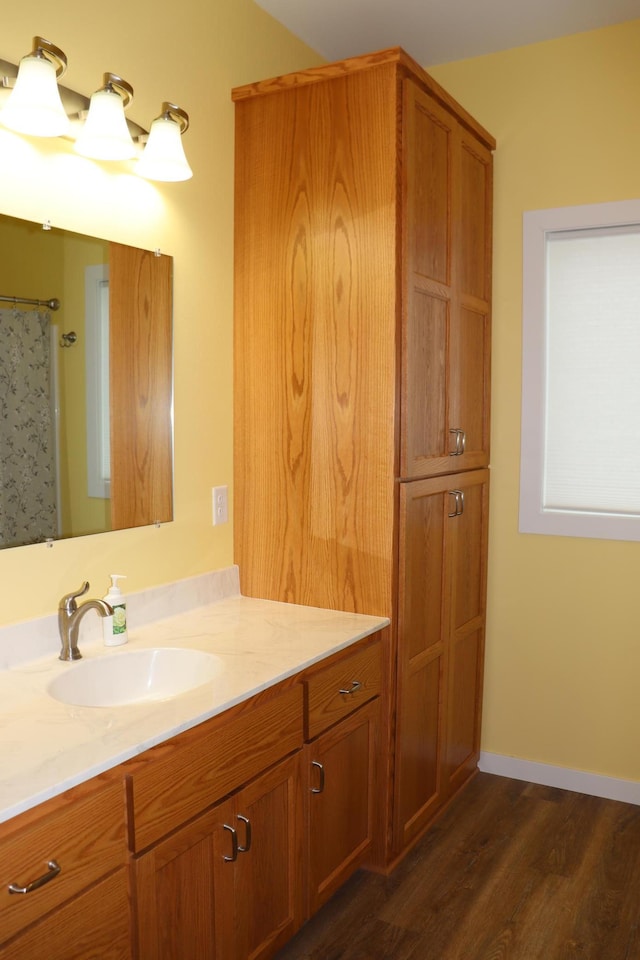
(34, 105)
(105, 134)
(164, 157)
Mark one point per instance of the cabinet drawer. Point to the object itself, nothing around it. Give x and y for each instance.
(339, 689)
(179, 779)
(94, 926)
(83, 830)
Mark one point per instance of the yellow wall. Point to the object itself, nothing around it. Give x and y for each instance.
(563, 645)
(192, 56)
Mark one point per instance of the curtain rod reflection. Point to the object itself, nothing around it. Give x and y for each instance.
(53, 304)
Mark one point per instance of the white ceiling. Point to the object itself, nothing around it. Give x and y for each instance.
(438, 31)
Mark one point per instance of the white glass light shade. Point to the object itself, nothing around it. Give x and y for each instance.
(105, 134)
(164, 157)
(34, 106)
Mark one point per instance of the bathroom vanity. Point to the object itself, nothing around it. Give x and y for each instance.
(206, 826)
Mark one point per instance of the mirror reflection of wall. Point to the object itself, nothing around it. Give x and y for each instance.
(53, 433)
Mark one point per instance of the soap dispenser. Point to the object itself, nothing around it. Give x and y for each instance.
(115, 627)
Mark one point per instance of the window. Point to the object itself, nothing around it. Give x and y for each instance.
(580, 454)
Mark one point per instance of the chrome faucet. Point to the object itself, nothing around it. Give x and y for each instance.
(69, 617)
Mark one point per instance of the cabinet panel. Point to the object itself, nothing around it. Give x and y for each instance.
(183, 897)
(470, 385)
(315, 219)
(418, 745)
(463, 719)
(92, 926)
(475, 199)
(269, 876)
(467, 554)
(342, 785)
(421, 573)
(429, 136)
(425, 434)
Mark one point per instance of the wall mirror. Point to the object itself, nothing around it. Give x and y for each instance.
(86, 415)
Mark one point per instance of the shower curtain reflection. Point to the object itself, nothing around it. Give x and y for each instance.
(27, 443)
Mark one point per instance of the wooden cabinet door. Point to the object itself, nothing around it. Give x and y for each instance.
(269, 876)
(446, 283)
(443, 544)
(341, 780)
(228, 885)
(465, 593)
(184, 891)
(421, 656)
(470, 342)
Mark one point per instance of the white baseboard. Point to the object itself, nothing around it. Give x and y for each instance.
(549, 775)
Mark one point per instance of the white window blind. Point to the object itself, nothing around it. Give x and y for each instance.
(580, 462)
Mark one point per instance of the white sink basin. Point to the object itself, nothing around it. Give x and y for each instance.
(134, 676)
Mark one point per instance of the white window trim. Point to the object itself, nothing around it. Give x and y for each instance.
(97, 384)
(533, 518)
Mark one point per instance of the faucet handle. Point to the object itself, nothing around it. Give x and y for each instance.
(68, 602)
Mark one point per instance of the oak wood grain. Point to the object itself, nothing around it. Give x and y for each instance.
(178, 779)
(394, 55)
(315, 334)
(140, 371)
(342, 817)
(324, 702)
(92, 926)
(83, 830)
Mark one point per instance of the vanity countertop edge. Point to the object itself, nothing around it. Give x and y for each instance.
(47, 747)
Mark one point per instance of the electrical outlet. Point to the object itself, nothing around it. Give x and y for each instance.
(220, 505)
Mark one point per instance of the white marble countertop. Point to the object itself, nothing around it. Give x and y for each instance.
(47, 747)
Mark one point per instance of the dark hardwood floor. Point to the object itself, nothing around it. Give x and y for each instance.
(513, 871)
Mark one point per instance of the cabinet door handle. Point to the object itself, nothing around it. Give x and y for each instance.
(355, 686)
(458, 509)
(247, 835)
(234, 844)
(461, 440)
(320, 788)
(53, 871)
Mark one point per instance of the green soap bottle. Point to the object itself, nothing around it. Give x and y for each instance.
(115, 628)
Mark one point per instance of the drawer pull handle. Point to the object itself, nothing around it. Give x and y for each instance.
(247, 836)
(320, 788)
(355, 686)
(54, 870)
(234, 844)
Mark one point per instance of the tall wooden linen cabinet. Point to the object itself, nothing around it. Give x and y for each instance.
(362, 350)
